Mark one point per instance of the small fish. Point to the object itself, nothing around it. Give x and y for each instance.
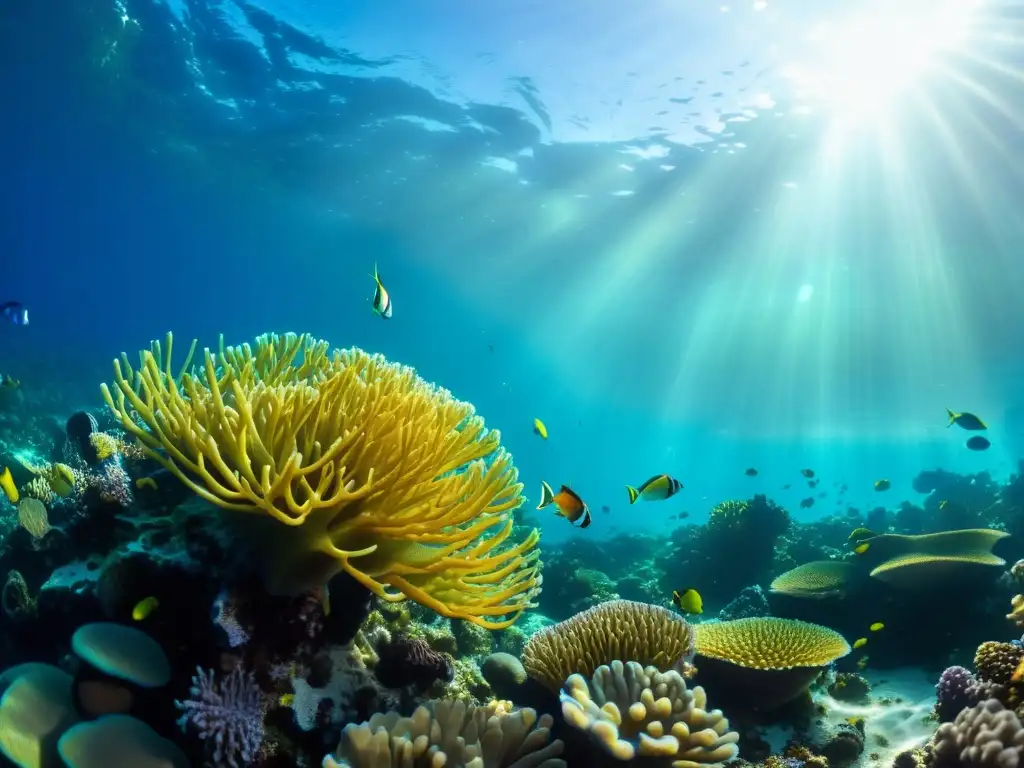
(8, 486)
(978, 443)
(787, 486)
(882, 485)
(861, 533)
(860, 642)
(689, 601)
(8, 382)
(381, 298)
(605, 509)
(14, 312)
(862, 662)
(966, 421)
(942, 504)
(657, 488)
(145, 607)
(683, 515)
(286, 699)
(807, 503)
(877, 626)
(569, 505)
(540, 429)
(860, 549)
(751, 472)
(807, 472)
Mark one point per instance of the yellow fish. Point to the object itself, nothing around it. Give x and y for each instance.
(286, 700)
(381, 298)
(689, 601)
(965, 420)
(7, 483)
(860, 642)
(61, 479)
(657, 488)
(862, 662)
(877, 626)
(145, 607)
(882, 485)
(860, 549)
(861, 533)
(540, 429)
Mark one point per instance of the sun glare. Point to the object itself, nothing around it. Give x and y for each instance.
(861, 64)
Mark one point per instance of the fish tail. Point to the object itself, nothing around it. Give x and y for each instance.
(952, 418)
(634, 494)
(546, 495)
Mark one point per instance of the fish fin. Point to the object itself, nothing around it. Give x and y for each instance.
(546, 495)
(634, 494)
(952, 417)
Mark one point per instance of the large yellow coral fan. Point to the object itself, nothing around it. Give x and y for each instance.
(345, 462)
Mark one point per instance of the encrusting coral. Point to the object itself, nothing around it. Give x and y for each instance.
(357, 464)
(452, 734)
(633, 711)
(619, 629)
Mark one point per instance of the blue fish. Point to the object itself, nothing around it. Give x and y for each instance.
(15, 312)
(978, 443)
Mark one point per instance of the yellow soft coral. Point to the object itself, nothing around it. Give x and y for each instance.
(348, 462)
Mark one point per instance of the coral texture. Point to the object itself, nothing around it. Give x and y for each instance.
(619, 629)
(632, 711)
(953, 693)
(363, 466)
(770, 643)
(404, 661)
(229, 717)
(452, 734)
(984, 736)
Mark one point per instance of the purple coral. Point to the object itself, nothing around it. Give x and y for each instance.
(954, 693)
(225, 616)
(228, 718)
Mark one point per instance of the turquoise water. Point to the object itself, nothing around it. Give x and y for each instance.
(690, 239)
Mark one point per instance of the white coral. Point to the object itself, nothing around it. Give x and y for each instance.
(632, 711)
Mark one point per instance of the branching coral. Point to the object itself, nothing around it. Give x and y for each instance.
(363, 466)
(451, 734)
(632, 711)
(620, 629)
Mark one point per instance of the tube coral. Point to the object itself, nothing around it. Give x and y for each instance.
(357, 464)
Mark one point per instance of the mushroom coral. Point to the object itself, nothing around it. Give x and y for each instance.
(342, 461)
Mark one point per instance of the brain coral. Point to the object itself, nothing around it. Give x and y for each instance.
(632, 711)
(763, 662)
(452, 734)
(341, 461)
(616, 630)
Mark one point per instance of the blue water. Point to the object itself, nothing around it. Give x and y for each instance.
(637, 225)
